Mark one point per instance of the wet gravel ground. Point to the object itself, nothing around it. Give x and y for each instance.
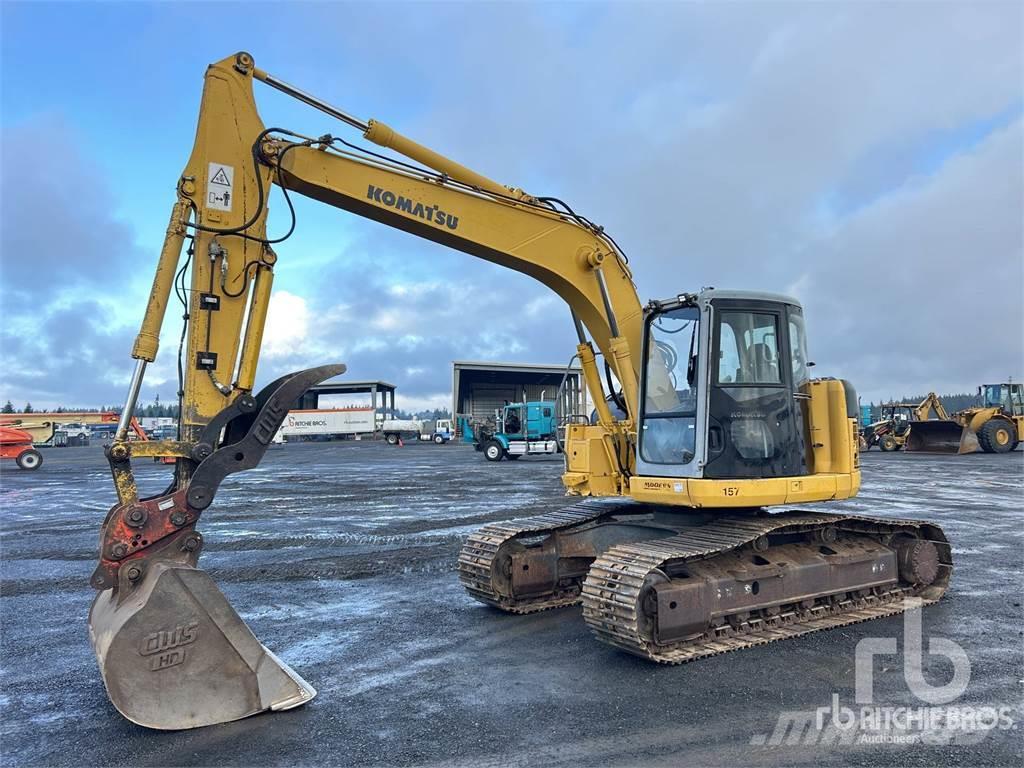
(341, 558)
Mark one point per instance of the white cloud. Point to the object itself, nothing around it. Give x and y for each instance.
(287, 327)
(713, 141)
(922, 290)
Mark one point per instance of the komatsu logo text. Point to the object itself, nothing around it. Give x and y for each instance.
(430, 213)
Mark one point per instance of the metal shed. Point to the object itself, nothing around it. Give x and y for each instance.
(479, 388)
(311, 400)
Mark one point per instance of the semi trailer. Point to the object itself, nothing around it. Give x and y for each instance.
(337, 422)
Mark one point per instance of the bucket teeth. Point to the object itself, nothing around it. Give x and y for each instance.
(174, 654)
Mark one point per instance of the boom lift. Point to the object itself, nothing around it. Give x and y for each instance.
(678, 560)
(20, 433)
(42, 426)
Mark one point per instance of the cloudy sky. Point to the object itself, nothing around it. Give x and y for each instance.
(866, 157)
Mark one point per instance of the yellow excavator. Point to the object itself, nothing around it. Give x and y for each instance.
(670, 545)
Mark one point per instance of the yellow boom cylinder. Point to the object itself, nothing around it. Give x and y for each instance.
(588, 362)
(148, 341)
(385, 136)
(254, 328)
(623, 368)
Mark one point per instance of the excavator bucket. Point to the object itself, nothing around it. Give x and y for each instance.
(172, 651)
(174, 654)
(940, 437)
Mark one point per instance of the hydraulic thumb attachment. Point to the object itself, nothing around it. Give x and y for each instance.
(172, 651)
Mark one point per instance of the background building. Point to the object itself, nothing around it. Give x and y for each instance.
(311, 399)
(479, 388)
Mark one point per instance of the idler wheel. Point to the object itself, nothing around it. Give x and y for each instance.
(918, 561)
(501, 573)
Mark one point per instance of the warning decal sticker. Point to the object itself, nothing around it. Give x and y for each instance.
(219, 189)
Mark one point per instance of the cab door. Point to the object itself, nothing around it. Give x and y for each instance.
(755, 424)
(672, 402)
(533, 422)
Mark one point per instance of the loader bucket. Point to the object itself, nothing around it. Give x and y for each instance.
(940, 437)
(174, 654)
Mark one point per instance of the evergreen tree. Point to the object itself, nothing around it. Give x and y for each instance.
(27, 408)
(8, 407)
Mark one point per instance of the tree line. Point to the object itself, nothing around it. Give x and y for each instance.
(952, 403)
(154, 409)
(435, 413)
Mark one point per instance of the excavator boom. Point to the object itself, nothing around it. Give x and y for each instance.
(157, 617)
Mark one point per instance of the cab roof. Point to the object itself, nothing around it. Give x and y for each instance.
(710, 294)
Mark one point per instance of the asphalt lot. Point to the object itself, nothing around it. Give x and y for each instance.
(341, 558)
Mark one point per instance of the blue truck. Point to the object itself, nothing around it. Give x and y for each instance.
(523, 429)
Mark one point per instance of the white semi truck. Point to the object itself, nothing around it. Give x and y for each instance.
(439, 431)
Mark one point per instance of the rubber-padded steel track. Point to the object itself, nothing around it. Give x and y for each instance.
(477, 558)
(612, 589)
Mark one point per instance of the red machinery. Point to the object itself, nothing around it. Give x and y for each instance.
(19, 431)
(17, 444)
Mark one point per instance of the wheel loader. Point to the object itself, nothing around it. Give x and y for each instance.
(669, 539)
(993, 427)
(999, 422)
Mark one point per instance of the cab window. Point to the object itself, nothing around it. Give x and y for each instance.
(798, 345)
(668, 419)
(749, 348)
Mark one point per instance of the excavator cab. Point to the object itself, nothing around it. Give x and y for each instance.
(722, 387)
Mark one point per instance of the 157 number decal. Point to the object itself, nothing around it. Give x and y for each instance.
(731, 491)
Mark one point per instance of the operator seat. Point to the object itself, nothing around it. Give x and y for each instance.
(765, 365)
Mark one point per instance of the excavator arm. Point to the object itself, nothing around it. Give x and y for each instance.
(222, 210)
(149, 547)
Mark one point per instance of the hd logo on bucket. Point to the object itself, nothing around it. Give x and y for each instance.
(166, 645)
